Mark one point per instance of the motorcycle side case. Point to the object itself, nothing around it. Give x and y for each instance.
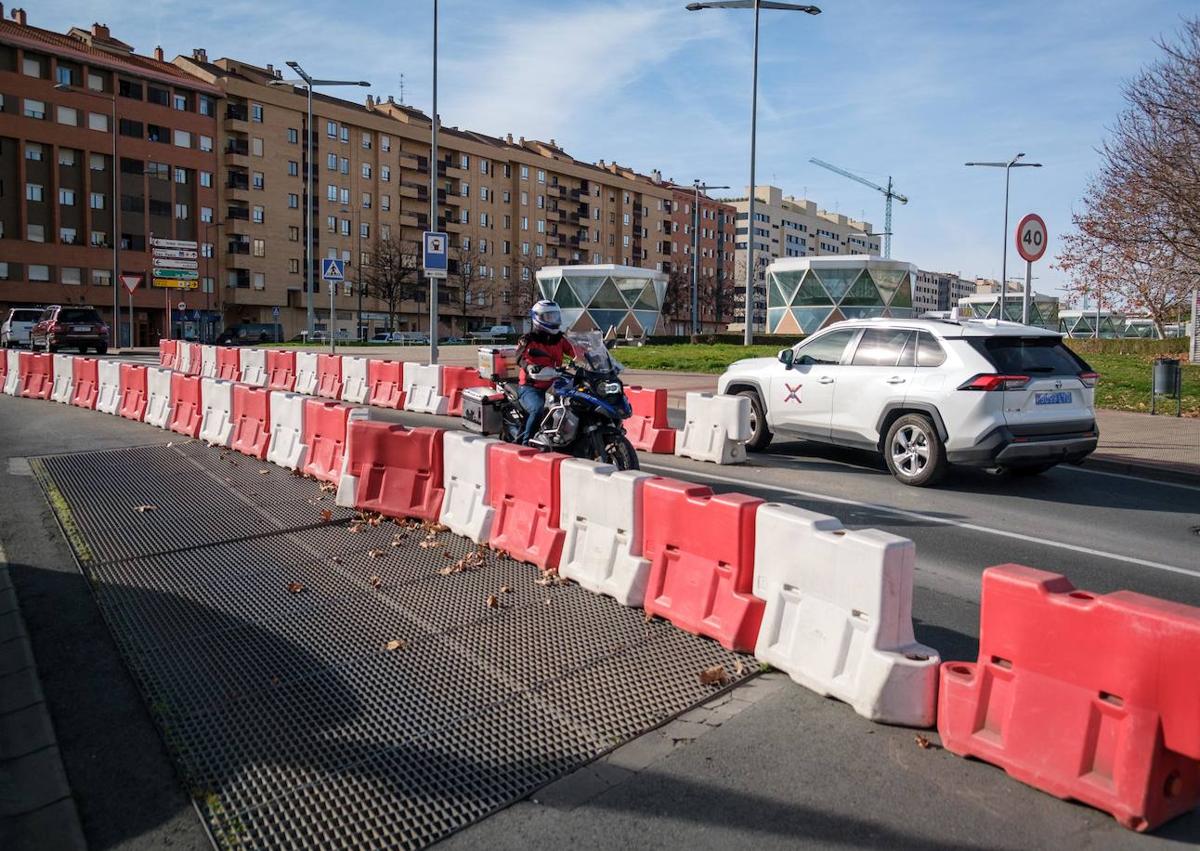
(498, 363)
(481, 410)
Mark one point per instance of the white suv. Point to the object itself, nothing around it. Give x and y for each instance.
(927, 394)
(15, 330)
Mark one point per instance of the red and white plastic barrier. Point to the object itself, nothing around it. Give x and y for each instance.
(281, 370)
(716, 428)
(216, 419)
(12, 373)
(168, 353)
(423, 389)
(386, 380)
(252, 364)
(355, 380)
(329, 376)
(133, 392)
(108, 387)
(251, 420)
(186, 410)
(393, 470)
(523, 489)
(306, 373)
(86, 375)
(63, 389)
(208, 360)
(648, 429)
(229, 363)
(184, 353)
(36, 375)
(456, 379)
(286, 446)
(326, 425)
(466, 509)
(158, 396)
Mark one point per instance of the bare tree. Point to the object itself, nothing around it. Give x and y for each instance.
(1136, 241)
(475, 278)
(525, 290)
(394, 268)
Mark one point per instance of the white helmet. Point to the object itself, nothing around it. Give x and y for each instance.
(546, 317)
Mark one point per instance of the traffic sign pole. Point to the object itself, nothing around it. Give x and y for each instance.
(435, 263)
(1031, 245)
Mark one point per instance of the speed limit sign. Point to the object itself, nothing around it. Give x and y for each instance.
(1031, 237)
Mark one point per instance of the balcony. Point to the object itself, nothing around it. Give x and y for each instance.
(452, 171)
(418, 191)
(237, 152)
(414, 163)
(236, 118)
(238, 213)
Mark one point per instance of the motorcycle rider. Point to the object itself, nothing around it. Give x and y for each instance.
(543, 348)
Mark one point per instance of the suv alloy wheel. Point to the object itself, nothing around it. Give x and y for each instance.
(760, 435)
(913, 451)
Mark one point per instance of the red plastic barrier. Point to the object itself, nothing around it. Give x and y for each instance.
(281, 370)
(86, 374)
(1090, 698)
(133, 392)
(37, 375)
(399, 470)
(251, 420)
(523, 490)
(648, 429)
(3, 366)
(186, 410)
(196, 359)
(168, 353)
(329, 376)
(456, 379)
(229, 365)
(701, 552)
(325, 437)
(386, 380)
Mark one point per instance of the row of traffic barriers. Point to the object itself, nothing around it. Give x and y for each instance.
(1091, 698)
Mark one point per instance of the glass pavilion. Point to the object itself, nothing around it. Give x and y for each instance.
(596, 298)
(804, 294)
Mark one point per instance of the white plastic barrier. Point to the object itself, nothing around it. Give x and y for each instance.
(716, 428)
(355, 385)
(465, 508)
(306, 373)
(252, 365)
(64, 379)
(208, 361)
(216, 404)
(158, 396)
(184, 352)
(838, 617)
(108, 387)
(600, 509)
(287, 447)
(12, 378)
(423, 389)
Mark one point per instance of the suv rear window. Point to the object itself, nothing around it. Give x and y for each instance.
(1030, 355)
(26, 315)
(81, 315)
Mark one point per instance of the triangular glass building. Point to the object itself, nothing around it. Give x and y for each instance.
(804, 294)
(624, 298)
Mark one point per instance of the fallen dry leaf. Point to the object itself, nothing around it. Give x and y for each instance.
(328, 487)
(336, 559)
(295, 587)
(376, 582)
(922, 742)
(264, 472)
(395, 644)
(297, 474)
(142, 509)
(355, 528)
(649, 617)
(375, 553)
(493, 602)
(714, 676)
(504, 589)
(326, 515)
(739, 668)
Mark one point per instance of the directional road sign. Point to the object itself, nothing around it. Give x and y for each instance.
(333, 269)
(1032, 238)
(435, 260)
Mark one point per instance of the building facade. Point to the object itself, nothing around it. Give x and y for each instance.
(785, 226)
(714, 262)
(612, 299)
(68, 230)
(1043, 309)
(939, 291)
(804, 294)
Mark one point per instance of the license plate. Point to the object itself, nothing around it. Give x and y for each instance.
(1057, 397)
(81, 328)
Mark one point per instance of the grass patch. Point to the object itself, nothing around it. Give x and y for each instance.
(686, 357)
(58, 504)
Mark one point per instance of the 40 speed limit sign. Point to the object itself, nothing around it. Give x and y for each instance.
(1031, 238)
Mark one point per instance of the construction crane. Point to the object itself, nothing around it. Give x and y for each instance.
(888, 193)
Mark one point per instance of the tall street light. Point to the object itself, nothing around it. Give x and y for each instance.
(756, 5)
(1008, 167)
(309, 83)
(697, 188)
(116, 211)
(433, 199)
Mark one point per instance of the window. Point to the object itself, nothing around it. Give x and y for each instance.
(364, 230)
(207, 106)
(35, 233)
(331, 162)
(485, 167)
(66, 115)
(256, 113)
(524, 247)
(259, 248)
(260, 281)
(293, 201)
(181, 211)
(256, 146)
(257, 214)
(67, 236)
(881, 347)
(101, 277)
(366, 200)
(385, 202)
(293, 168)
(34, 109)
(31, 66)
(366, 140)
(96, 201)
(385, 173)
(129, 89)
(206, 143)
(385, 143)
(157, 171)
(345, 166)
(484, 221)
(293, 136)
(293, 233)
(206, 284)
(826, 349)
(541, 225)
(258, 181)
(66, 197)
(345, 134)
(366, 171)
(294, 266)
(345, 227)
(206, 179)
(70, 275)
(524, 174)
(507, 221)
(483, 193)
(34, 151)
(465, 190)
(206, 214)
(38, 272)
(159, 96)
(97, 121)
(524, 222)
(331, 192)
(344, 196)
(182, 139)
(180, 102)
(524, 274)
(541, 175)
(464, 161)
(540, 250)
(66, 156)
(331, 129)
(331, 224)
(33, 192)
(524, 199)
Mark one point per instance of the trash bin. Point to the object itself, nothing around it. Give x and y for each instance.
(1166, 376)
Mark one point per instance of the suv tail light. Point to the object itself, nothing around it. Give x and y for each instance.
(989, 381)
(1089, 379)
(103, 329)
(54, 328)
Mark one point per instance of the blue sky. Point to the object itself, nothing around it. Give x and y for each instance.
(911, 89)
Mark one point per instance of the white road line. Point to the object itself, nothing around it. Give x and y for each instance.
(927, 518)
(1143, 479)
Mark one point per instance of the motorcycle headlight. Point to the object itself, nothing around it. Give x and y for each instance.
(611, 388)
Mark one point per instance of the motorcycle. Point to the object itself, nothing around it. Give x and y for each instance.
(585, 407)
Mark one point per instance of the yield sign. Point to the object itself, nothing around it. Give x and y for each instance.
(131, 282)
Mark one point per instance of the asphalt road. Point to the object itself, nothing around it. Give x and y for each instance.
(790, 769)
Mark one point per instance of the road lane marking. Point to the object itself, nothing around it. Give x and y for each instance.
(929, 518)
(1142, 479)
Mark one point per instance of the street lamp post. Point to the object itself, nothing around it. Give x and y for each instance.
(1008, 167)
(433, 199)
(309, 83)
(756, 5)
(208, 228)
(697, 188)
(116, 213)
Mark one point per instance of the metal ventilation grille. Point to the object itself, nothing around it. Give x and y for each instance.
(259, 634)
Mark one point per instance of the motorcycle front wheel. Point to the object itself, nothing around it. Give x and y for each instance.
(616, 449)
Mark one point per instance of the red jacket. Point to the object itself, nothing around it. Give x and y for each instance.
(537, 349)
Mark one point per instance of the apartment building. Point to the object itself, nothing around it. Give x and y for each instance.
(67, 101)
(939, 291)
(714, 261)
(785, 226)
(509, 206)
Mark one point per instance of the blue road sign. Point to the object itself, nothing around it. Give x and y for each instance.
(435, 255)
(275, 312)
(333, 269)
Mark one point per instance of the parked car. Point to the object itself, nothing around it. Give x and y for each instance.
(497, 333)
(451, 341)
(17, 326)
(382, 337)
(410, 338)
(927, 394)
(250, 333)
(69, 327)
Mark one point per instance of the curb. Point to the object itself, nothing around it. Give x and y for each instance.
(36, 807)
